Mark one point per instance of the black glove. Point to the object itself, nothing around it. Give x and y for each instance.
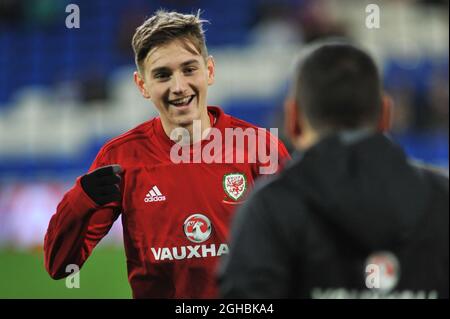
(102, 184)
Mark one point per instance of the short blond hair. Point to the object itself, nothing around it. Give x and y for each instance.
(164, 27)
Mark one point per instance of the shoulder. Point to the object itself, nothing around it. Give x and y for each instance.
(229, 121)
(276, 193)
(275, 203)
(140, 132)
(438, 176)
(270, 135)
(237, 123)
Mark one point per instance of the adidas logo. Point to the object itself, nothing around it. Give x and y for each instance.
(154, 195)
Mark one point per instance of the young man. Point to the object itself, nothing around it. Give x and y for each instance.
(175, 209)
(351, 218)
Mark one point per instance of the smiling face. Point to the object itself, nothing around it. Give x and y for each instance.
(176, 79)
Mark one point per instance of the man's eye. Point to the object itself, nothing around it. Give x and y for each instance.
(189, 70)
(161, 76)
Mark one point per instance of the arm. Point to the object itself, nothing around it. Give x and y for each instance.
(76, 228)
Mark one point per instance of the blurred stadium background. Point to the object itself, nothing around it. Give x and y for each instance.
(64, 92)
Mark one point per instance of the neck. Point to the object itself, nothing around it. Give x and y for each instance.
(308, 138)
(348, 136)
(190, 133)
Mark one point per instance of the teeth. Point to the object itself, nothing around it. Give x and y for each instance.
(182, 101)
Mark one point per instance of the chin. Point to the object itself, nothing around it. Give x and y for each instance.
(185, 120)
(188, 117)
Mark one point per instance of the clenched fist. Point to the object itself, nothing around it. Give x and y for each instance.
(102, 184)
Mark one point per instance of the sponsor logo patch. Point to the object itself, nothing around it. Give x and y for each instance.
(197, 228)
(383, 271)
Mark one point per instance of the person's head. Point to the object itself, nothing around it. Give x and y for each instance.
(173, 66)
(336, 87)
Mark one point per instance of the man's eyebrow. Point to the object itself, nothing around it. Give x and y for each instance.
(160, 69)
(192, 61)
(164, 68)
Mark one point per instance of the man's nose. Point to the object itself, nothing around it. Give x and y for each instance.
(179, 85)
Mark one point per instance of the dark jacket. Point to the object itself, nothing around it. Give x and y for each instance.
(320, 227)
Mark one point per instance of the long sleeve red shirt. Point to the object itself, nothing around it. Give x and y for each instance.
(175, 216)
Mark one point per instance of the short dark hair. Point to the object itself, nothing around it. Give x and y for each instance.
(164, 27)
(337, 85)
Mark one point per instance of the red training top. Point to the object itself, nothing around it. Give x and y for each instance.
(175, 216)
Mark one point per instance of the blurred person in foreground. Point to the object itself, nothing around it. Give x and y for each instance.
(352, 217)
(175, 180)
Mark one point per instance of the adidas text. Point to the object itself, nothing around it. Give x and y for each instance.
(154, 195)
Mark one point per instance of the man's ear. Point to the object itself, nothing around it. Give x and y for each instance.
(211, 66)
(385, 119)
(140, 83)
(292, 124)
